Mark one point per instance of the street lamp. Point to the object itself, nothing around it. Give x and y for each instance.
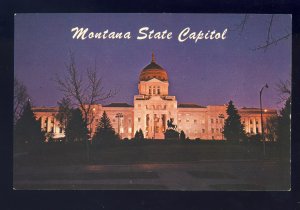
(119, 115)
(221, 116)
(261, 118)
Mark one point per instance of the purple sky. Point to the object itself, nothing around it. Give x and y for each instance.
(208, 72)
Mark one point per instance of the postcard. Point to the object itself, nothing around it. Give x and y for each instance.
(142, 101)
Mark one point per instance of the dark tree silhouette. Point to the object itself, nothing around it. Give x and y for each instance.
(20, 98)
(76, 130)
(284, 119)
(233, 128)
(136, 135)
(284, 126)
(182, 136)
(27, 129)
(272, 128)
(139, 135)
(105, 133)
(64, 113)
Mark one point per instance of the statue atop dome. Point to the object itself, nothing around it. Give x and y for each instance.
(153, 58)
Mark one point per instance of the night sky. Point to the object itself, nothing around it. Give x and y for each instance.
(209, 72)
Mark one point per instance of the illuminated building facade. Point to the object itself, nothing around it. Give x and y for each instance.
(153, 107)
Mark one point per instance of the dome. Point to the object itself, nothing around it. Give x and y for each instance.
(153, 70)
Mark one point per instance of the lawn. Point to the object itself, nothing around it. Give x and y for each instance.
(144, 152)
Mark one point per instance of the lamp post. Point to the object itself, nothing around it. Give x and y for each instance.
(261, 118)
(119, 115)
(221, 116)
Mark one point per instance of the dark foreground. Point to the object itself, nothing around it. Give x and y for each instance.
(157, 166)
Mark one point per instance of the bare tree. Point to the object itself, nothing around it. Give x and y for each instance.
(284, 90)
(20, 98)
(240, 26)
(83, 94)
(271, 39)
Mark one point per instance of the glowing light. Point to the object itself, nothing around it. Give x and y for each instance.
(265, 110)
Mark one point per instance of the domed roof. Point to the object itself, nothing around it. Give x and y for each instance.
(153, 70)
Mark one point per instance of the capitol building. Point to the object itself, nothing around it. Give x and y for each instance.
(153, 107)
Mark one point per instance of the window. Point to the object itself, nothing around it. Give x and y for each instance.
(129, 121)
(187, 120)
(251, 122)
(60, 130)
(203, 130)
(256, 130)
(217, 121)
(212, 120)
(179, 120)
(256, 122)
(251, 130)
(129, 130)
(217, 130)
(195, 121)
(121, 130)
(52, 129)
(158, 90)
(154, 92)
(212, 130)
(139, 119)
(139, 105)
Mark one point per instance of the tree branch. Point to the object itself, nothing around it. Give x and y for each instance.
(273, 42)
(85, 95)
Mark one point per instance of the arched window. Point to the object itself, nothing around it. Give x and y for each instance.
(154, 90)
(158, 90)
